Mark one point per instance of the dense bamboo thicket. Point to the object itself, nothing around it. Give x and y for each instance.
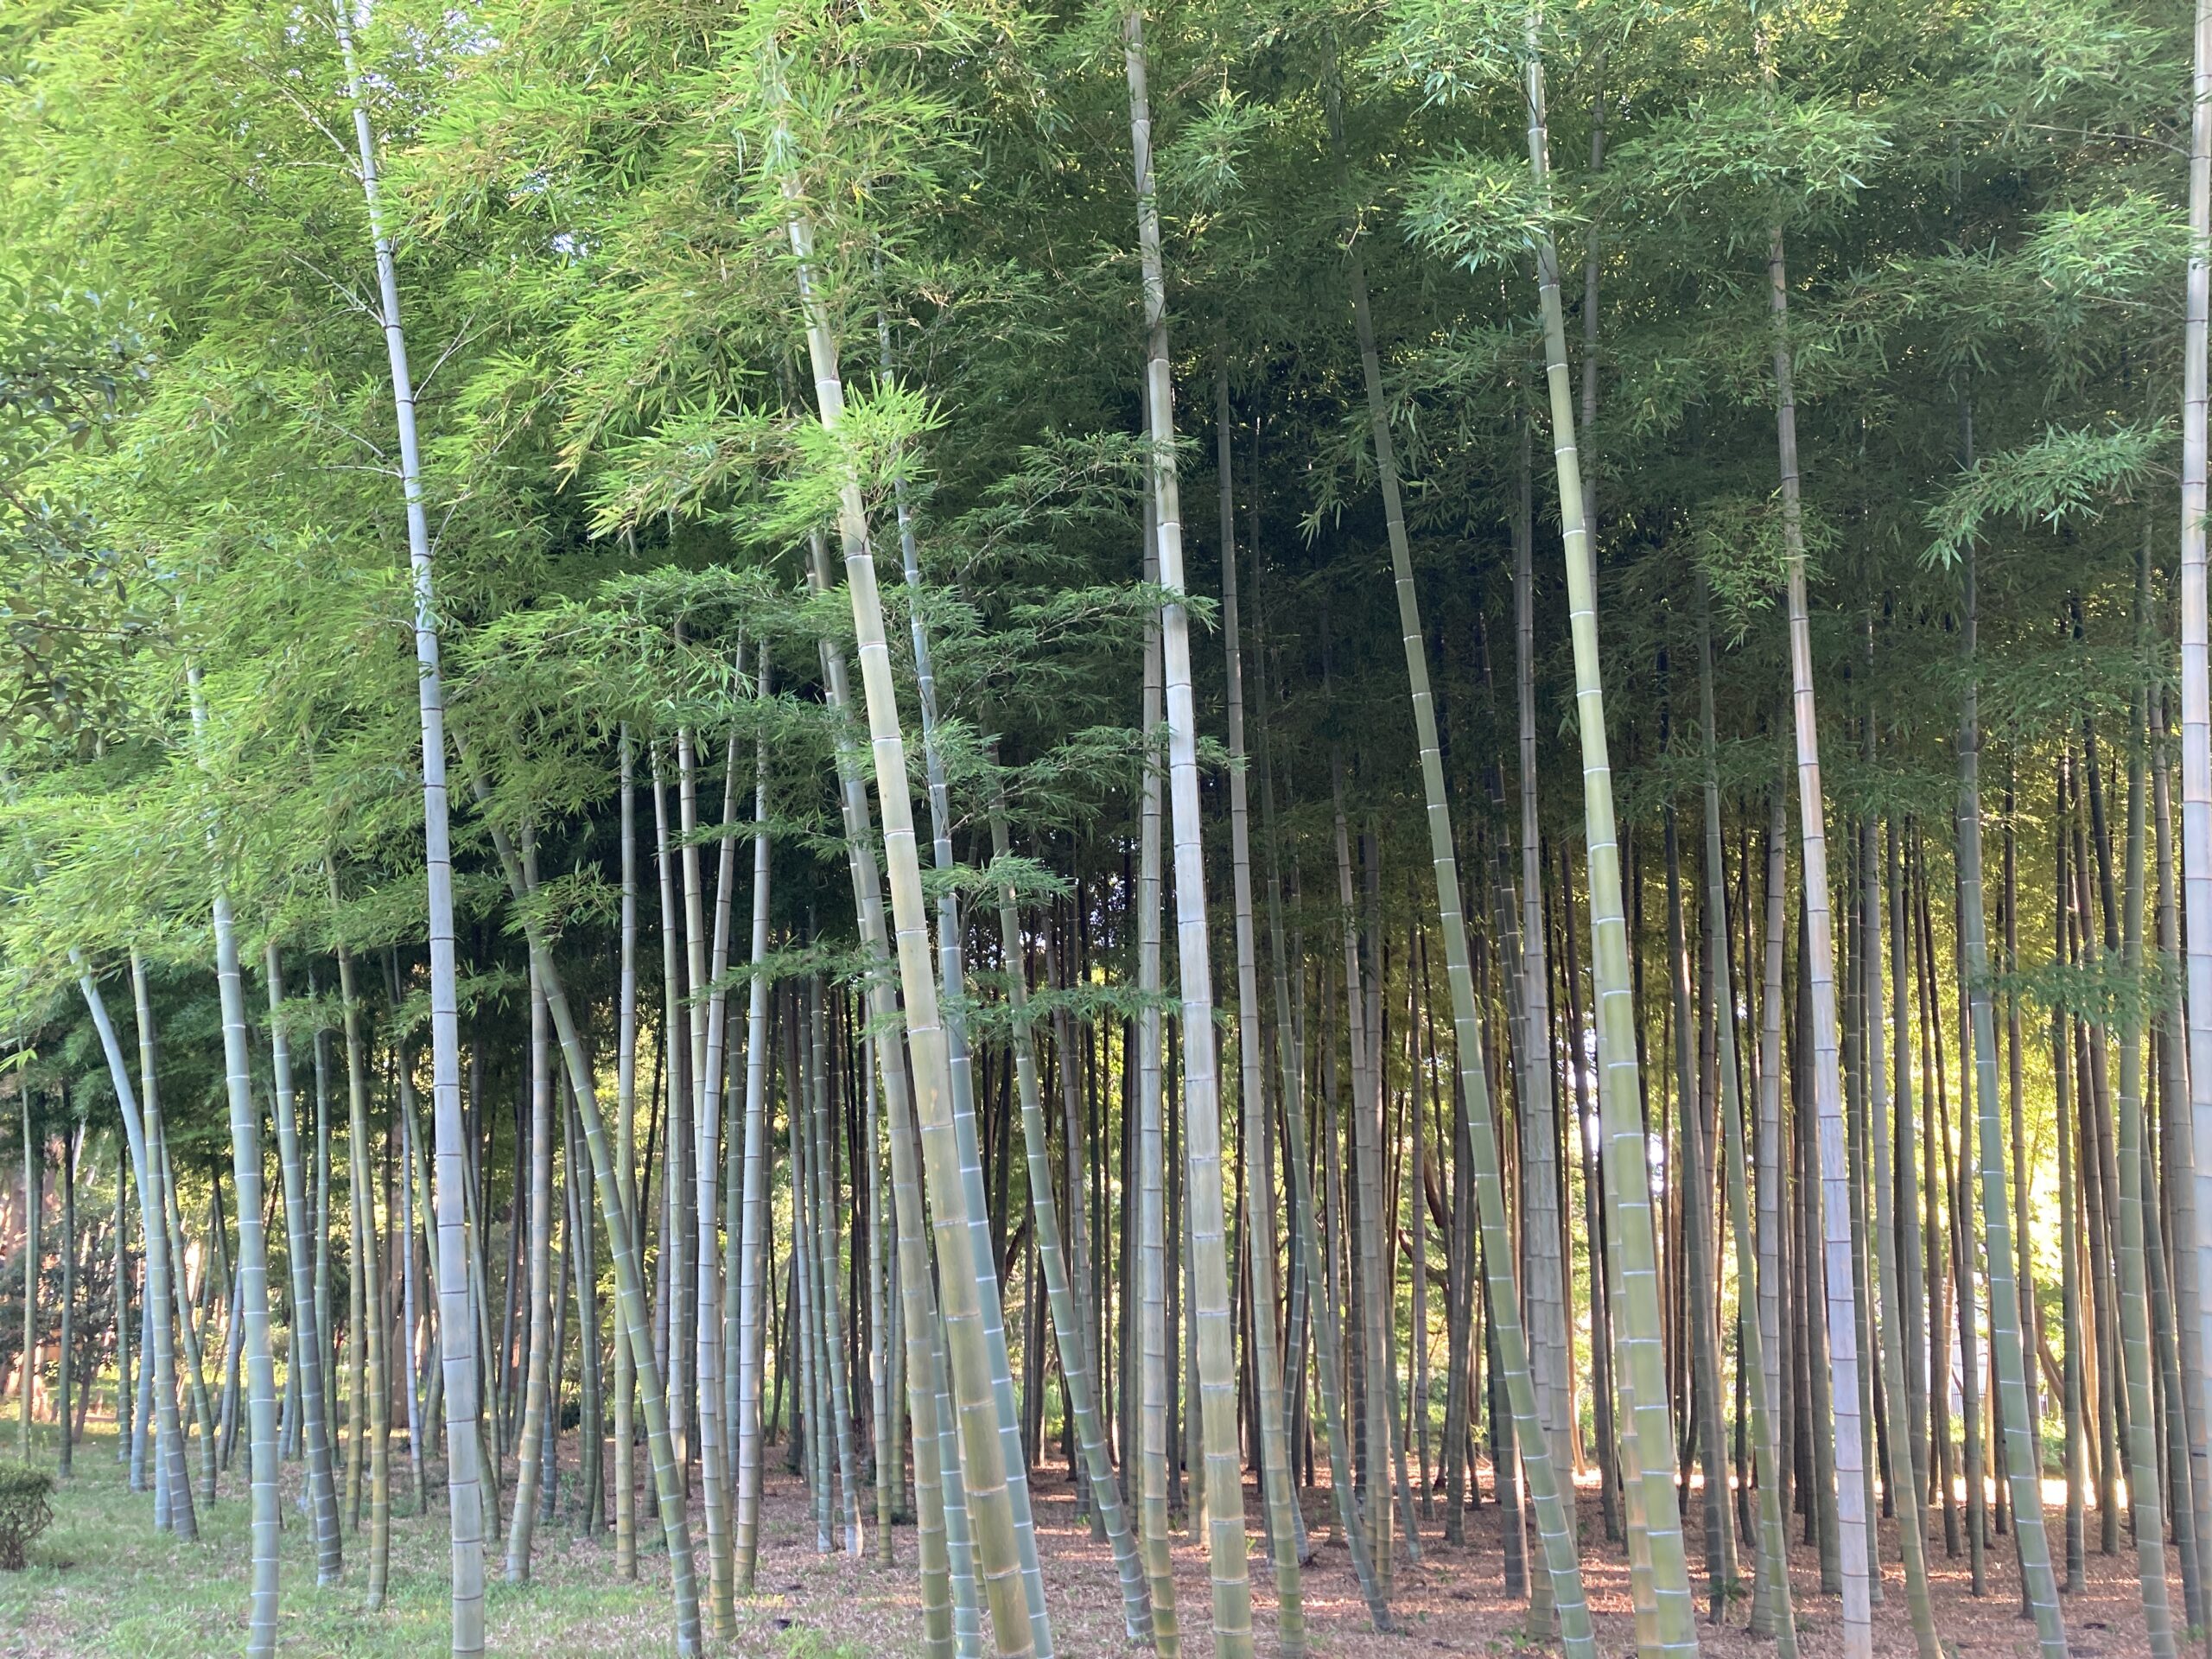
(872, 739)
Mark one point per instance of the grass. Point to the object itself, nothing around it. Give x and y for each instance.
(102, 1584)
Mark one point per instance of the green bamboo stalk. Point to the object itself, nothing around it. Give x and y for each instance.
(1630, 1235)
(1850, 1490)
(2039, 1583)
(828, 1259)
(1074, 1361)
(1772, 1543)
(629, 1285)
(1260, 1202)
(456, 1318)
(522, 1523)
(969, 1340)
(307, 1336)
(751, 1236)
(2142, 1489)
(138, 1118)
(1213, 1320)
(1150, 1244)
(252, 1268)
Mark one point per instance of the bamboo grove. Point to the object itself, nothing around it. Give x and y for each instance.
(805, 741)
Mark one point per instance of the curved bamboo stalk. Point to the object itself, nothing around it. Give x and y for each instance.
(629, 1284)
(138, 1122)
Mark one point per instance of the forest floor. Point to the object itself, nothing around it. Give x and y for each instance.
(103, 1584)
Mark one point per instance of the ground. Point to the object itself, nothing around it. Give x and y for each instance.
(103, 1584)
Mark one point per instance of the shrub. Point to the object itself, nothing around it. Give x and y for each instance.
(24, 1509)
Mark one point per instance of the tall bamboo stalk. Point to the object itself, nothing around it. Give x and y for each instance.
(626, 1165)
(251, 1288)
(307, 1337)
(1259, 1207)
(1772, 1544)
(1213, 1320)
(1631, 1232)
(754, 1222)
(968, 1339)
(2143, 1471)
(539, 1290)
(456, 1318)
(2039, 1583)
(1842, 1329)
(2197, 659)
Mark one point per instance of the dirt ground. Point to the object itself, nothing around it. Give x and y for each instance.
(1454, 1601)
(102, 1582)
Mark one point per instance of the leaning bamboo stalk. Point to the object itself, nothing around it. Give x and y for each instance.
(968, 1339)
(625, 1166)
(522, 1523)
(952, 974)
(138, 1120)
(629, 1284)
(943, 1552)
